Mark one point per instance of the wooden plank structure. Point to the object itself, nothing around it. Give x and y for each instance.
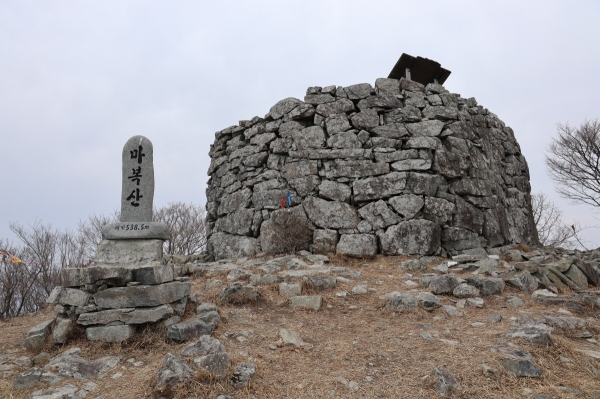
(419, 69)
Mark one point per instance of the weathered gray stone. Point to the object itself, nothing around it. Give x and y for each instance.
(341, 105)
(102, 317)
(426, 142)
(379, 187)
(66, 391)
(228, 246)
(425, 128)
(242, 374)
(306, 302)
(443, 284)
(378, 215)
(413, 237)
(401, 301)
(172, 370)
(293, 170)
(136, 231)
(117, 333)
(68, 296)
(137, 195)
(272, 231)
(522, 280)
(142, 295)
(487, 285)
(521, 365)
(446, 382)
(335, 191)
(355, 168)
(344, 140)
(216, 364)
(62, 329)
(327, 214)
(283, 107)
(316, 99)
(238, 222)
(232, 202)
(387, 86)
(366, 119)
(407, 205)
(320, 283)
(192, 328)
(429, 301)
(324, 241)
(290, 289)
(33, 377)
(305, 185)
(37, 336)
(147, 315)
(465, 291)
(424, 183)
(204, 346)
(337, 123)
(357, 245)
(407, 114)
(128, 252)
(440, 112)
(70, 364)
(150, 275)
(290, 338)
(391, 131)
(238, 293)
(457, 239)
(412, 164)
(438, 210)
(577, 277)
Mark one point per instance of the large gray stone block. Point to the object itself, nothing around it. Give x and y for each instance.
(413, 237)
(142, 295)
(357, 245)
(68, 296)
(331, 215)
(378, 215)
(379, 187)
(324, 241)
(124, 252)
(110, 333)
(189, 329)
(229, 246)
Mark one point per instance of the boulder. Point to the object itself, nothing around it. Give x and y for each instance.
(407, 205)
(33, 377)
(324, 241)
(242, 374)
(522, 280)
(229, 246)
(429, 301)
(238, 293)
(487, 285)
(321, 283)
(443, 284)
(330, 215)
(70, 364)
(401, 301)
(172, 370)
(357, 245)
(446, 382)
(378, 215)
(379, 187)
(216, 364)
(465, 291)
(335, 191)
(306, 302)
(204, 346)
(192, 328)
(412, 237)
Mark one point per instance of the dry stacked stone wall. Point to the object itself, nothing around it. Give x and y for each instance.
(399, 168)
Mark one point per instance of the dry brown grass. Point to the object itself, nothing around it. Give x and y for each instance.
(350, 337)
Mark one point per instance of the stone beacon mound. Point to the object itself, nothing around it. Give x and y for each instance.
(402, 168)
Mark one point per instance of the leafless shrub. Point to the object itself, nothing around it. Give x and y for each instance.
(574, 162)
(187, 223)
(552, 231)
(291, 232)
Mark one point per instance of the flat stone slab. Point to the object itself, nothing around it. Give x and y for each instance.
(130, 251)
(188, 329)
(68, 296)
(306, 302)
(118, 275)
(136, 231)
(34, 376)
(70, 364)
(142, 295)
(110, 333)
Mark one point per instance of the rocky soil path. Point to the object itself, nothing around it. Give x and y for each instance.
(306, 326)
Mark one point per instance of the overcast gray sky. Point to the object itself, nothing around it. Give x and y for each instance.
(78, 78)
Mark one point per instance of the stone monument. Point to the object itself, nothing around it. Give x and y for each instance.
(127, 283)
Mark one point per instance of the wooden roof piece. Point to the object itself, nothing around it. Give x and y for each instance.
(422, 70)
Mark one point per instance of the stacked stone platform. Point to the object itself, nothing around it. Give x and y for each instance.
(399, 168)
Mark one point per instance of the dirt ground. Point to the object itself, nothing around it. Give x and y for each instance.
(354, 338)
